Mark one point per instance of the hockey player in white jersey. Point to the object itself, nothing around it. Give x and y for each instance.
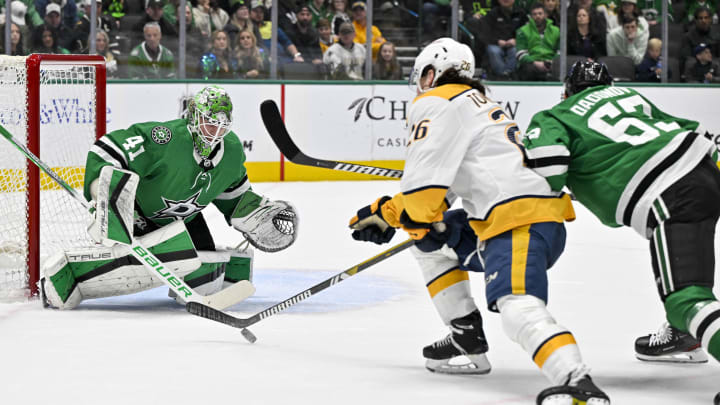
(461, 144)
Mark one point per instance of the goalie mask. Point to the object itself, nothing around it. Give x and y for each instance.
(209, 116)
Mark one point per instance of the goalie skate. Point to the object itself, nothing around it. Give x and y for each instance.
(462, 351)
(669, 345)
(583, 392)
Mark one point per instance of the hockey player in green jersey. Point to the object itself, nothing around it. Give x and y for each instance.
(631, 164)
(171, 171)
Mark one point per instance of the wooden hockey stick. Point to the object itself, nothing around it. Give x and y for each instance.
(242, 323)
(223, 299)
(278, 132)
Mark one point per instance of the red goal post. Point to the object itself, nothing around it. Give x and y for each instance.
(56, 104)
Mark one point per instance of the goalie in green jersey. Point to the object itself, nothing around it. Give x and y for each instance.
(634, 165)
(169, 172)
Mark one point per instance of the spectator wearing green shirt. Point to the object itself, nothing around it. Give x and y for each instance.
(318, 9)
(537, 45)
(151, 60)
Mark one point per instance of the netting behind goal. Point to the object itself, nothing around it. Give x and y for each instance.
(48, 103)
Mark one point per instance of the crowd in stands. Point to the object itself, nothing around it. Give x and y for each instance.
(325, 39)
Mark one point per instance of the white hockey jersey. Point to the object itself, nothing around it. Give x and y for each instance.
(463, 144)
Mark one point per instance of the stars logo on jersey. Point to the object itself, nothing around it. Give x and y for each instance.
(161, 135)
(179, 209)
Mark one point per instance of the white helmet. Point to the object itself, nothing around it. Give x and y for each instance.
(442, 54)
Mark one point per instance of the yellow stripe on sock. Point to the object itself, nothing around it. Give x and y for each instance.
(446, 280)
(549, 346)
(520, 242)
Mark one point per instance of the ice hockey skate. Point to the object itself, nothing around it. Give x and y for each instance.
(584, 391)
(462, 351)
(669, 345)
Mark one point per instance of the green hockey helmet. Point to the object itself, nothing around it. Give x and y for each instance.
(209, 116)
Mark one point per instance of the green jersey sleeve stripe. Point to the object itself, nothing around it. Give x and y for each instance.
(105, 156)
(111, 149)
(235, 192)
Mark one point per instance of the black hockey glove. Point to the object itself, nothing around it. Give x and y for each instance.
(370, 226)
(429, 236)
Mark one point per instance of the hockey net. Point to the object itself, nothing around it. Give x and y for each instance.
(51, 104)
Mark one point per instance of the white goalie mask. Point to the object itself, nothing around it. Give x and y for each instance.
(442, 54)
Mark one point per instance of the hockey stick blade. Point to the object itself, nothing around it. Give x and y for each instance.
(204, 311)
(278, 132)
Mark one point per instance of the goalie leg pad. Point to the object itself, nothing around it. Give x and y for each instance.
(449, 287)
(552, 347)
(270, 226)
(59, 287)
(240, 267)
(106, 272)
(208, 278)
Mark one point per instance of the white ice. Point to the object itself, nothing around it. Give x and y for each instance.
(358, 342)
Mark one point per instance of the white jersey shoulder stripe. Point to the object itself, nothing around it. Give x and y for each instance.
(113, 150)
(105, 156)
(547, 151)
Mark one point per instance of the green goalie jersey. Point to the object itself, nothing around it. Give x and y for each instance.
(614, 150)
(175, 182)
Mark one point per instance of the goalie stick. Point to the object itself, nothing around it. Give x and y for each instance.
(223, 299)
(278, 132)
(242, 323)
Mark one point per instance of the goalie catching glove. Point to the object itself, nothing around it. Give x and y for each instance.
(114, 195)
(268, 225)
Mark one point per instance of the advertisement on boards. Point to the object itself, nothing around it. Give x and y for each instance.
(369, 122)
(357, 122)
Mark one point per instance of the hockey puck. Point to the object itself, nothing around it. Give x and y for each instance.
(717, 399)
(248, 335)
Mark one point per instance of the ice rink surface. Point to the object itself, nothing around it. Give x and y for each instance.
(359, 342)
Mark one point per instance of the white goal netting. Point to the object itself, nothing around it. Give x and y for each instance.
(67, 130)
